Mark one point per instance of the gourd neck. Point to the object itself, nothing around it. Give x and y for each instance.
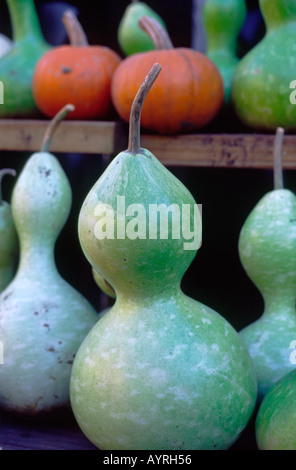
(277, 13)
(24, 20)
(280, 303)
(36, 257)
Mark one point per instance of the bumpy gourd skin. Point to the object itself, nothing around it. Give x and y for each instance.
(261, 82)
(275, 421)
(42, 318)
(267, 249)
(159, 370)
(8, 245)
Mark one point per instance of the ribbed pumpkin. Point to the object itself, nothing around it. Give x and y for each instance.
(188, 94)
(77, 73)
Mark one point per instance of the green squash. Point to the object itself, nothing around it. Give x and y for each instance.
(17, 65)
(223, 20)
(159, 370)
(131, 37)
(43, 319)
(8, 239)
(275, 421)
(267, 250)
(261, 82)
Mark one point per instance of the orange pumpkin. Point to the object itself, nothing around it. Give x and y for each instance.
(76, 73)
(187, 95)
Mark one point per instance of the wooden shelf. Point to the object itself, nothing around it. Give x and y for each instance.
(205, 149)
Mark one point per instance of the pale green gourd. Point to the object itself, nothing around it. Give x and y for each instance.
(275, 421)
(262, 79)
(43, 319)
(159, 370)
(267, 250)
(223, 20)
(8, 238)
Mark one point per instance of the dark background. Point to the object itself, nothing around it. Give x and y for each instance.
(216, 276)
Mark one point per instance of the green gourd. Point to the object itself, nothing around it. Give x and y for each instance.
(275, 421)
(159, 370)
(267, 250)
(17, 66)
(131, 37)
(223, 20)
(8, 238)
(43, 319)
(261, 82)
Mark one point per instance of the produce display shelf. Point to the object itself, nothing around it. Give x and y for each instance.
(232, 150)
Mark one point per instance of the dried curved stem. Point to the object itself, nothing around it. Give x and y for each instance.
(156, 32)
(5, 171)
(75, 32)
(135, 114)
(53, 124)
(277, 159)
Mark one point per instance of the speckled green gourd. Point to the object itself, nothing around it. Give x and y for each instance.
(275, 421)
(131, 37)
(261, 83)
(223, 20)
(159, 370)
(43, 319)
(17, 65)
(267, 250)
(8, 239)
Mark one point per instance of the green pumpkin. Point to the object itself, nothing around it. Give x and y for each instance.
(8, 239)
(159, 370)
(43, 319)
(267, 250)
(131, 37)
(275, 421)
(261, 83)
(223, 20)
(17, 65)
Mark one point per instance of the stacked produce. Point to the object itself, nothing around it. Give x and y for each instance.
(158, 369)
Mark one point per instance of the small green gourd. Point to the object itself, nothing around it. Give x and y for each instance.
(8, 238)
(131, 37)
(275, 421)
(17, 65)
(43, 319)
(267, 250)
(262, 80)
(223, 20)
(159, 370)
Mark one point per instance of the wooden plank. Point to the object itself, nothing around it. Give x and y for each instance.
(205, 150)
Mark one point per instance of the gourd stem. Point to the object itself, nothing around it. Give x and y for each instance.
(135, 114)
(5, 171)
(75, 32)
(277, 158)
(156, 32)
(53, 124)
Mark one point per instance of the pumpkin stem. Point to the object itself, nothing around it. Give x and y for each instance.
(75, 32)
(135, 114)
(156, 32)
(53, 124)
(5, 171)
(277, 159)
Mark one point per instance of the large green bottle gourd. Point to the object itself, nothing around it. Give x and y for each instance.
(223, 20)
(159, 370)
(8, 239)
(267, 250)
(261, 83)
(17, 65)
(43, 319)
